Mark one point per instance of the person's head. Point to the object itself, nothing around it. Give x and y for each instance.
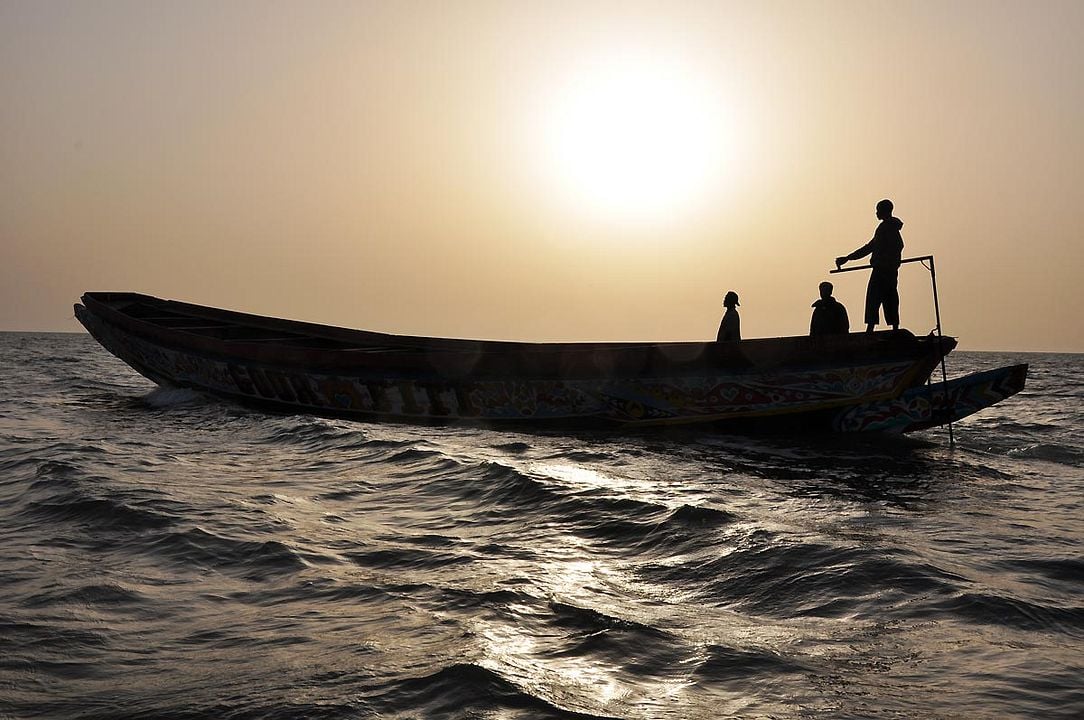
(731, 299)
(826, 289)
(884, 209)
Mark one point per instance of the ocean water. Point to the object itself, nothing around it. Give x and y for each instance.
(164, 555)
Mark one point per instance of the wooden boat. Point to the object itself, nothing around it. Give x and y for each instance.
(848, 383)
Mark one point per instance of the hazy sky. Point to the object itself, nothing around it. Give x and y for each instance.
(544, 170)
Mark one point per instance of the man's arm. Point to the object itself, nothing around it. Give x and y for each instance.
(859, 253)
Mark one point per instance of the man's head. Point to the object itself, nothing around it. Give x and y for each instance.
(884, 209)
(731, 299)
(826, 290)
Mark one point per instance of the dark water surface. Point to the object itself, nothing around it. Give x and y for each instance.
(164, 555)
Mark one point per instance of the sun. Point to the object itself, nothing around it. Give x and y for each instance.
(635, 140)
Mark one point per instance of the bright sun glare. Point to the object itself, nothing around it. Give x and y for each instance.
(635, 140)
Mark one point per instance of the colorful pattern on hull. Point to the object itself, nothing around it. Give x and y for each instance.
(935, 404)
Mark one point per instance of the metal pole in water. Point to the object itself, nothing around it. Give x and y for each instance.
(944, 374)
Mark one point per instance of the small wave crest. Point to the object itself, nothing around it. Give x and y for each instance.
(1050, 452)
(407, 558)
(462, 688)
(73, 641)
(164, 397)
(731, 663)
(95, 594)
(1069, 570)
(1017, 613)
(102, 512)
(253, 558)
(833, 581)
(318, 434)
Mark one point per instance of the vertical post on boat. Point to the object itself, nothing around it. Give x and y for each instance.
(937, 316)
(944, 373)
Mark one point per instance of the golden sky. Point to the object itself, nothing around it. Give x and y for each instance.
(545, 170)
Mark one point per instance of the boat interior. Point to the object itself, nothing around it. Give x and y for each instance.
(259, 335)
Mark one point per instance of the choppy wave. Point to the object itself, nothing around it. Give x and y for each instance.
(168, 555)
(169, 397)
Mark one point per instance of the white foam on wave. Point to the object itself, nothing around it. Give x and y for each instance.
(166, 397)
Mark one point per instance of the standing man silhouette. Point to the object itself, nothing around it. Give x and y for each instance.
(886, 251)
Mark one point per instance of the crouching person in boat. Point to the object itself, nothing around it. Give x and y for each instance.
(730, 327)
(829, 315)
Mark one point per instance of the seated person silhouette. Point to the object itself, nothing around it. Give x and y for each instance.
(730, 327)
(829, 315)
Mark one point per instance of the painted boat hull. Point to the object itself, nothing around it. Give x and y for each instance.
(803, 384)
(921, 408)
